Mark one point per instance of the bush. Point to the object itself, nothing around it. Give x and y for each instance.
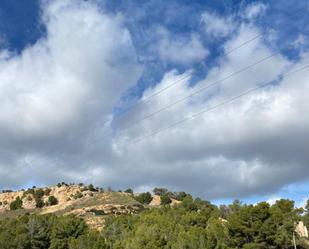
(17, 204)
(92, 188)
(165, 199)
(129, 191)
(38, 194)
(179, 196)
(77, 195)
(52, 200)
(144, 198)
(39, 203)
(160, 191)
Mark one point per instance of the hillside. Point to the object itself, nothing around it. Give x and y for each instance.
(92, 204)
(59, 217)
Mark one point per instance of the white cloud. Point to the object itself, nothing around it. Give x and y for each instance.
(60, 86)
(218, 26)
(57, 88)
(181, 50)
(255, 145)
(254, 10)
(272, 200)
(73, 74)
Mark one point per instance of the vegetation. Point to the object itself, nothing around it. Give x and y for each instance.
(52, 200)
(144, 198)
(193, 224)
(129, 191)
(77, 195)
(165, 199)
(160, 191)
(17, 204)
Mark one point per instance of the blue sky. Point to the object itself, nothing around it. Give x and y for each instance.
(67, 66)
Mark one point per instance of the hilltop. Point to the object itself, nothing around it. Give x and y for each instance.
(91, 203)
(70, 216)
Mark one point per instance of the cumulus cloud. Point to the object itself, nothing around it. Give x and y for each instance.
(56, 90)
(66, 81)
(255, 145)
(181, 50)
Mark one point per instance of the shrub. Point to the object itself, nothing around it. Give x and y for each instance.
(39, 203)
(179, 196)
(160, 191)
(52, 200)
(129, 191)
(165, 199)
(97, 212)
(17, 204)
(38, 194)
(92, 188)
(77, 195)
(144, 198)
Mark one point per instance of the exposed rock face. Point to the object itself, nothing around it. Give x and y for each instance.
(63, 194)
(301, 230)
(156, 201)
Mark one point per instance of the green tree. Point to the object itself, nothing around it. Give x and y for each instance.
(52, 200)
(17, 204)
(90, 240)
(66, 228)
(165, 199)
(144, 198)
(129, 191)
(160, 191)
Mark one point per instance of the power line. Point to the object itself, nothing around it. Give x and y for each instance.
(195, 93)
(143, 101)
(148, 98)
(193, 116)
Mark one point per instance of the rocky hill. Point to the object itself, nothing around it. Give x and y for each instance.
(93, 204)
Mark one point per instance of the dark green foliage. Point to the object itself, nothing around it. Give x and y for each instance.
(17, 204)
(129, 191)
(39, 193)
(92, 188)
(165, 199)
(68, 227)
(39, 203)
(144, 198)
(160, 191)
(48, 232)
(77, 195)
(97, 212)
(52, 200)
(90, 240)
(179, 196)
(194, 224)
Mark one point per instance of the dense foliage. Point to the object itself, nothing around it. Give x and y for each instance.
(193, 224)
(144, 198)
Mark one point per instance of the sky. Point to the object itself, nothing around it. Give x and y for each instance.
(207, 97)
